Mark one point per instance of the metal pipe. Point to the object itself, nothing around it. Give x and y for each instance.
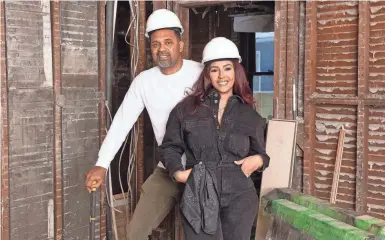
(109, 75)
(92, 213)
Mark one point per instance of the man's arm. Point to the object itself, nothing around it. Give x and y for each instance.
(124, 119)
(122, 123)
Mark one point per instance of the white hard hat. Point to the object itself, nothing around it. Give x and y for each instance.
(220, 48)
(162, 18)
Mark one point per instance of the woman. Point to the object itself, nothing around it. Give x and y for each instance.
(222, 136)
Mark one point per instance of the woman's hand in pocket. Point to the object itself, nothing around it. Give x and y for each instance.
(250, 164)
(182, 176)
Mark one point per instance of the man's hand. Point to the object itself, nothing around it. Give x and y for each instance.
(96, 174)
(250, 164)
(181, 176)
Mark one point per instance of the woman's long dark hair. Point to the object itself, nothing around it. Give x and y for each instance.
(202, 87)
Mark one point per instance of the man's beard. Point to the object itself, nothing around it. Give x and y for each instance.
(165, 63)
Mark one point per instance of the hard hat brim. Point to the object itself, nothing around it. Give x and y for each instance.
(147, 34)
(208, 61)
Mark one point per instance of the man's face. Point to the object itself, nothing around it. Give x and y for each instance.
(166, 48)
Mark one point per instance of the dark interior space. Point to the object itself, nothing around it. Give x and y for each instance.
(120, 84)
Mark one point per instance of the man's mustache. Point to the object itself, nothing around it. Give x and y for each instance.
(163, 54)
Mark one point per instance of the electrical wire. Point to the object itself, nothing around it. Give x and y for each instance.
(134, 64)
(134, 28)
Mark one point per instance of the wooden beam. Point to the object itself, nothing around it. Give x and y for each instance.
(362, 116)
(309, 88)
(337, 166)
(183, 14)
(141, 67)
(292, 57)
(191, 3)
(280, 59)
(57, 165)
(102, 108)
(159, 4)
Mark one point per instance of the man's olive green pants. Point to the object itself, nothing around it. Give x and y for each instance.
(159, 195)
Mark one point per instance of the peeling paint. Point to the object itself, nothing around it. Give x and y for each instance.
(336, 125)
(333, 89)
(377, 141)
(376, 89)
(347, 4)
(351, 176)
(376, 149)
(47, 44)
(51, 219)
(326, 158)
(336, 21)
(336, 68)
(321, 186)
(323, 138)
(371, 133)
(324, 151)
(347, 181)
(380, 164)
(351, 11)
(375, 127)
(335, 116)
(378, 119)
(371, 74)
(370, 206)
(376, 178)
(323, 172)
(334, 74)
(376, 9)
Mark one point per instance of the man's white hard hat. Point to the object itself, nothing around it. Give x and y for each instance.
(161, 19)
(220, 48)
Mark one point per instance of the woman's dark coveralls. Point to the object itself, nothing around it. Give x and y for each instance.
(198, 134)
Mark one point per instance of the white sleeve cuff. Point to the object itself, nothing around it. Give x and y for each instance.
(99, 163)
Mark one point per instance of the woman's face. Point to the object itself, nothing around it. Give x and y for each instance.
(222, 76)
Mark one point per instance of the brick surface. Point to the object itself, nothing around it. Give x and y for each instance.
(80, 113)
(374, 147)
(344, 59)
(336, 74)
(30, 108)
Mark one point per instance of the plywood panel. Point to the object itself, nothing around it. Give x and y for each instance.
(280, 135)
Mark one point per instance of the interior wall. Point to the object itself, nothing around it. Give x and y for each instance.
(51, 93)
(345, 87)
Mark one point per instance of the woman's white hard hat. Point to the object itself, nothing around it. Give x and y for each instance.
(220, 48)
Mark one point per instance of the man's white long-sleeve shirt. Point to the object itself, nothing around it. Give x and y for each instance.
(156, 92)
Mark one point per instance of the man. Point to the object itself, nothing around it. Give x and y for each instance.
(158, 90)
